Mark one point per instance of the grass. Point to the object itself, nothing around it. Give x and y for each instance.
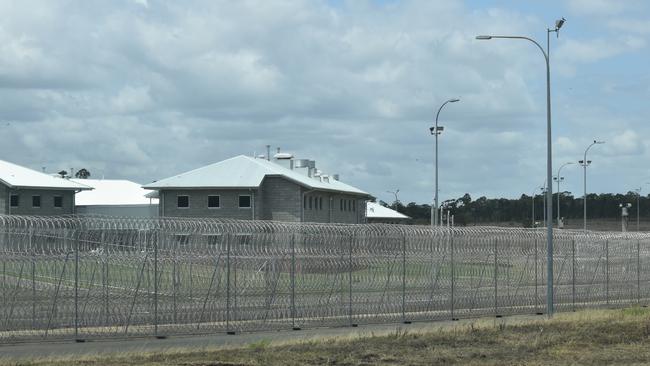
(586, 337)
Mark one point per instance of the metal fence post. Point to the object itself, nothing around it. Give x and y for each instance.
(638, 271)
(33, 250)
(350, 321)
(76, 289)
(155, 283)
(607, 270)
(404, 281)
(536, 279)
(496, 286)
(105, 281)
(453, 274)
(293, 282)
(228, 310)
(573, 273)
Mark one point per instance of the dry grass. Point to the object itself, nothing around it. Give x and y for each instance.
(587, 337)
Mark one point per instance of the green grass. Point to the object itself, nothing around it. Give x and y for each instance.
(589, 337)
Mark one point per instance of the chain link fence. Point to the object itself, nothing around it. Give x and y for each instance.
(99, 277)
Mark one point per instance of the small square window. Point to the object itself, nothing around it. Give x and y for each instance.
(213, 202)
(14, 200)
(58, 201)
(183, 201)
(244, 201)
(36, 201)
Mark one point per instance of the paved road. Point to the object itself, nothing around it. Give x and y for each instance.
(136, 345)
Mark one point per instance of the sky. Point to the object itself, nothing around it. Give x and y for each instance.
(145, 89)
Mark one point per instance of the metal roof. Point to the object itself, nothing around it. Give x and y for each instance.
(246, 172)
(377, 211)
(112, 192)
(16, 176)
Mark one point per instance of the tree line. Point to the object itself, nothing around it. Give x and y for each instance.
(467, 211)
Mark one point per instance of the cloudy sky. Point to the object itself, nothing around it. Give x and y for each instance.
(145, 89)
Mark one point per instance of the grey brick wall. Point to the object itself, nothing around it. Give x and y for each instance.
(280, 200)
(47, 202)
(229, 202)
(4, 199)
(332, 211)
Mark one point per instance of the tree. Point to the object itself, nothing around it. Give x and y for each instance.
(82, 173)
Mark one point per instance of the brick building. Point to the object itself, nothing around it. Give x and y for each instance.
(242, 187)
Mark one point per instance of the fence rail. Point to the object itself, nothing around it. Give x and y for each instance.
(98, 277)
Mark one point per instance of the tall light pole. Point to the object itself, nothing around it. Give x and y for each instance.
(638, 199)
(395, 192)
(437, 130)
(549, 156)
(559, 179)
(585, 163)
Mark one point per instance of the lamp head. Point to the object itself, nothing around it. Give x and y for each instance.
(454, 100)
(483, 38)
(599, 142)
(559, 23)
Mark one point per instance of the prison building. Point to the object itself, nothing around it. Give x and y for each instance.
(253, 188)
(25, 191)
(378, 214)
(115, 197)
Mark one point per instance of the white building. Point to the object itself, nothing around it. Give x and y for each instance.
(378, 214)
(115, 198)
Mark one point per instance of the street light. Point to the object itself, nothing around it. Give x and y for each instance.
(559, 179)
(638, 197)
(585, 163)
(437, 130)
(549, 156)
(395, 194)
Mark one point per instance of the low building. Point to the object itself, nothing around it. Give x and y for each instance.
(114, 197)
(378, 214)
(243, 187)
(25, 191)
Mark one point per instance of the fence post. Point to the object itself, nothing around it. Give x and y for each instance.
(638, 271)
(228, 331)
(573, 273)
(536, 279)
(496, 286)
(352, 324)
(404, 281)
(31, 247)
(607, 270)
(105, 279)
(293, 282)
(453, 274)
(76, 287)
(155, 283)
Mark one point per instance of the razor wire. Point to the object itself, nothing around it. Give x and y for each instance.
(89, 277)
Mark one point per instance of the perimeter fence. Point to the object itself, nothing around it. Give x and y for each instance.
(98, 277)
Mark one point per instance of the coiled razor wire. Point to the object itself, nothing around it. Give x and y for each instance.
(98, 277)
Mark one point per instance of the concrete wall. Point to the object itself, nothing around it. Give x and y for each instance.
(47, 202)
(280, 200)
(4, 199)
(119, 210)
(229, 202)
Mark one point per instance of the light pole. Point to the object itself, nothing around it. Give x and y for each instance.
(437, 130)
(638, 199)
(395, 194)
(585, 163)
(549, 156)
(559, 179)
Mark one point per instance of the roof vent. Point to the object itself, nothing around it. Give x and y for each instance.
(335, 176)
(281, 156)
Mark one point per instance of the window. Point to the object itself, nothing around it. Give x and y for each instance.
(310, 201)
(244, 201)
(320, 203)
(58, 201)
(341, 204)
(213, 202)
(36, 201)
(14, 200)
(183, 201)
(304, 202)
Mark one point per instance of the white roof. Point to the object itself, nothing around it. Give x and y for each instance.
(112, 192)
(246, 172)
(16, 176)
(377, 211)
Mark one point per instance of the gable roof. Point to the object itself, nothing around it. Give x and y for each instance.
(246, 172)
(112, 192)
(377, 211)
(16, 176)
